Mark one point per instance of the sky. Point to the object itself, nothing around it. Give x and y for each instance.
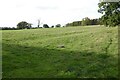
(49, 12)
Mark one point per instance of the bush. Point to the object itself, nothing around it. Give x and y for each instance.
(58, 25)
(9, 28)
(45, 26)
(24, 25)
(52, 26)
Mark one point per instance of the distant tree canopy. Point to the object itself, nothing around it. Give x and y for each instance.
(85, 21)
(69, 24)
(29, 25)
(111, 13)
(45, 26)
(9, 28)
(52, 26)
(95, 21)
(23, 25)
(58, 25)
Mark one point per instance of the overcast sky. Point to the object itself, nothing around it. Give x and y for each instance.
(50, 12)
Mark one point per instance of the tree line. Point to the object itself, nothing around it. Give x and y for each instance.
(110, 11)
(26, 25)
(85, 21)
(9, 28)
(110, 18)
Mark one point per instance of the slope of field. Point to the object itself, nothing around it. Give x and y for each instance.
(60, 52)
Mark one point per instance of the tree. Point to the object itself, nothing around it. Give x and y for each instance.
(85, 21)
(76, 23)
(94, 22)
(111, 13)
(69, 24)
(52, 26)
(45, 26)
(29, 25)
(22, 25)
(58, 25)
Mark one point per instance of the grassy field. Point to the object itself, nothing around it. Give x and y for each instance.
(78, 52)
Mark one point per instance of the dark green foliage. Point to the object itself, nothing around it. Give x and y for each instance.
(8, 28)
(45, 26)
(23, 25)
(52, 26)
(85, 21)
(111, 13)
(69, 24)
(58, 25)
(77, 23)
(29, 25)
(94, 21)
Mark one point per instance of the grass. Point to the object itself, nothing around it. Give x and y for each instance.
(36, 53)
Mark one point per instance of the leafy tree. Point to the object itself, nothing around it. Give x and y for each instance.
(29, 25)
(94, 22)
(69, 24)
(111, 13)
(45, 26)
(58, 25)
(76, 23)
(52, 26)
(85, 21)
(22, 25)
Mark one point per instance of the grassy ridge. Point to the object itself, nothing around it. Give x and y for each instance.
(88, 52)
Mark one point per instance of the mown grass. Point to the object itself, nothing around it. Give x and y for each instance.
(36, 53)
